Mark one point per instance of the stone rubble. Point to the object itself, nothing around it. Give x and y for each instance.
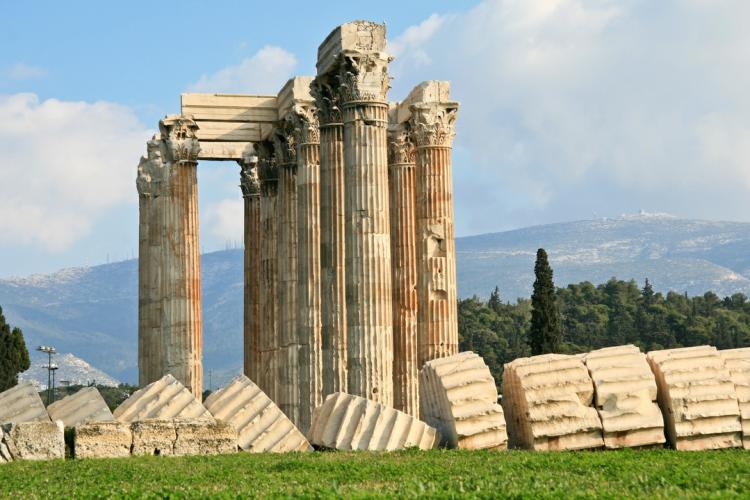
(697, 398)
(737, 361)
(164, 399)
(108, 439)
(86, 405)
(625, 397)
(459, 398)
(33, 441)
(261, 425)
(22, 404)
(547, 401)
(348, 422)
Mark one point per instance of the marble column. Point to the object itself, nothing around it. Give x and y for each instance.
(305, 124)
(332, 245)
(361, 64)
(401, 179)
(285, 150)
(433, 127)
(268, 174)
(250, 185)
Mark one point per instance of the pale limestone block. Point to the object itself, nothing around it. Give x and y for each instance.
(347, 422)
(22, 404)
(102, 439)
(697, 398)
(166, 398)
(459, 398)
(35, 440)
(737, 361)
(356, 36)
(199, 437)
(261, 425)
(153, 437)
(5, 455)
(86, 405)
(625, 397)
(547, 401)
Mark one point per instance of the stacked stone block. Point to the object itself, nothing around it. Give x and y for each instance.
(459, 398)
(625, 397)
(697, 398)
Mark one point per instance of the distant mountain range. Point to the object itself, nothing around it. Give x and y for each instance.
(71, 370)
(92, 312)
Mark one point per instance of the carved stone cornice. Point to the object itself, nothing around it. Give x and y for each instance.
(363, 77)
(401, 148)
(303, 121)
(151, 168)
(249, 181)
(326, 100)
(433, 124)
(179, 133)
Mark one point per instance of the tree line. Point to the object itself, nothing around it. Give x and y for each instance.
(14, 357)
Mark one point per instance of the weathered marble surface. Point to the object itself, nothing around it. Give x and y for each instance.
(22, 404)
(106, 439)
(86, 405)
(164, 399)
(36, 440)
(737, 361)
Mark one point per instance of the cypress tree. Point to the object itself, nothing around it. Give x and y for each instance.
(545, 335)
(14, 357)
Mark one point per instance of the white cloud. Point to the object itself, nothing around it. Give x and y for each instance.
(570, 107)
(64, 164)
(265, 72)
(225, 220)
(23, 71)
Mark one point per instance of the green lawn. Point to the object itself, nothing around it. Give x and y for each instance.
(648, 473)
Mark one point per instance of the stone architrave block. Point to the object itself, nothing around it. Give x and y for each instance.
(347, 422)
(86, 405)
(199, 437)
(105, 439)
(625, 397)
(164, 399)
(261, 425)
(547, 401)
(34, 440)
(459, 398)
(153, 437)
(737, 361)
(22, 404)
(697, 398)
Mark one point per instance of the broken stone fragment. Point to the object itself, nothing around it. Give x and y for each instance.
(86, 405)
(347, 422)
(459, 398)
(22, 404)
(108, 439)
(166, 398)
(261, 425)
(34, 441)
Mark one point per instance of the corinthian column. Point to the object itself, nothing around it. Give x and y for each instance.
(268, 174)
(401, 158)
(289, 366)
(250, 186)
(332, 253)
(305, 124)
(356, 53)
(433, 127)
(180, 279)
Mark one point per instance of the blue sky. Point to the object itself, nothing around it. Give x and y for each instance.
(570, 109)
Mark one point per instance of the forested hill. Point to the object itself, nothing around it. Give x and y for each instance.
(92, 312)
(613, 313)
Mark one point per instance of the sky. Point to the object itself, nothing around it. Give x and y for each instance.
(570, 109)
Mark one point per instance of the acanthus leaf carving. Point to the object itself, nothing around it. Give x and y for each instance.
(401, 148)
(433, 124)
(363, 77)
(326, 100)
(180, 135)
(249, 180)
(303, 121)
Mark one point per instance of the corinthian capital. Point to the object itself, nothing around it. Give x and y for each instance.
(284, 143)
(326, 100)
(179, 133)
(303, 121)
(268, 171)
(151, 168)
(364, 77)
(249, 181)
(433, 124)
(400, 146)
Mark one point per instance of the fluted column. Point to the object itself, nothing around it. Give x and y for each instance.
(289, 362)
(332, 244)
(250, 185)
(433, 128)
(305, 123)
(401, 172)
(269, 362)
(180, 290)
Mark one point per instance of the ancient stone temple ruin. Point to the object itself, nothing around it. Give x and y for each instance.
(350, 269)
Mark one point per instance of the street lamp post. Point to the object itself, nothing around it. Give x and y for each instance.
(50, 351)
(53, 369)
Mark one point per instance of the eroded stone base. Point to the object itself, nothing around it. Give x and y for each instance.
(33, 441)
(110, 439)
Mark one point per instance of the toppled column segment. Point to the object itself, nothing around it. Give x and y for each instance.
(697, 398)
(86, 405)
(625, 397)
(22, 404)
(347, 422)
(547, 402)
(164, 399)
(261, 425)
(459, 398)
(737, 361)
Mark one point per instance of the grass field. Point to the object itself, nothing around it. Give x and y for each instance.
(647, 473)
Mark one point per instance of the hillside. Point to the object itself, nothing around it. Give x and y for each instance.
(92, 312)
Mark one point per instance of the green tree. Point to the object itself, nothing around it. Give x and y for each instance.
(545, 335)
(14, 357)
